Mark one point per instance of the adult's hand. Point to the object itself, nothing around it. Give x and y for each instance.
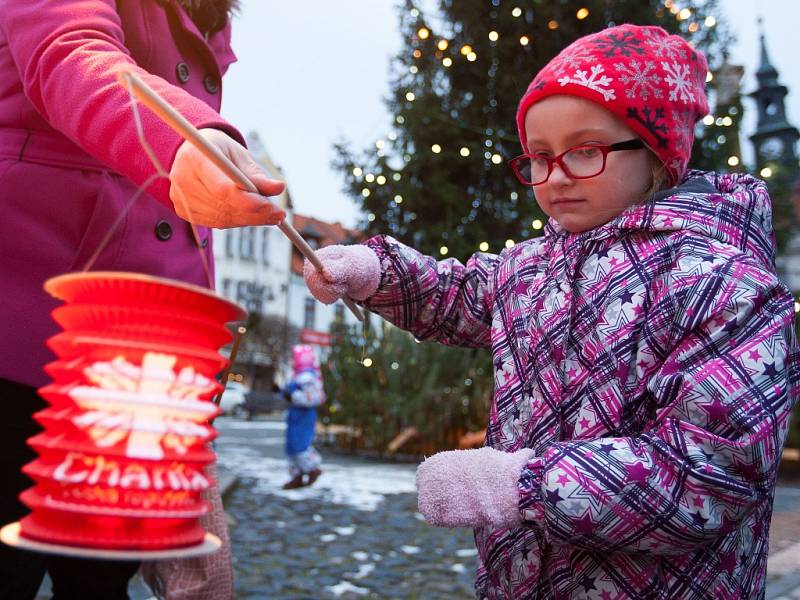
(204, 195)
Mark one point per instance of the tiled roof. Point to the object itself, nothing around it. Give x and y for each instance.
(321, 232)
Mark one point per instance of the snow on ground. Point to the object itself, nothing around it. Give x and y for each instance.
(361, 485)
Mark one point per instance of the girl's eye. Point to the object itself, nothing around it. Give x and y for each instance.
(587, 151)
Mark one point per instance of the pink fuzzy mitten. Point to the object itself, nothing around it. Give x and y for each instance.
(471, 488)
(352, 271)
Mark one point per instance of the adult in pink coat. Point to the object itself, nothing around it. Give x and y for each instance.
(70, 161)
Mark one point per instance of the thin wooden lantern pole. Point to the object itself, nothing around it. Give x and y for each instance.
(237, 339)
(190, 133)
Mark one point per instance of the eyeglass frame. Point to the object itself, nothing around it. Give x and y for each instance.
(632, 144)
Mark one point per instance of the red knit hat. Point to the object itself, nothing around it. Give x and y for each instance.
(650, 79)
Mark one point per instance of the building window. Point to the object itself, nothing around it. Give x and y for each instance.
(310, 313)
(338, 312)
(226, 285)
(229, 243)
(265, 245)
(247, 243)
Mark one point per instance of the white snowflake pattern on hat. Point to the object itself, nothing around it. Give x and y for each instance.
(591, 81)
(571, 58)
(680, 82)
(667, 47)
(640, 79)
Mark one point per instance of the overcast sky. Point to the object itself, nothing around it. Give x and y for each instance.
(312, 72)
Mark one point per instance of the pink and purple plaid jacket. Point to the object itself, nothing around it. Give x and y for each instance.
(652, 365)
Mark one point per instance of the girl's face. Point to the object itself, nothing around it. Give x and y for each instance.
(561, 122)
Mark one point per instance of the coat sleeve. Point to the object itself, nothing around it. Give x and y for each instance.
(444, 301)
(721, 402)
(67, 53)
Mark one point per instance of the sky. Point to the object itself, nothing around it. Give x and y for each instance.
(315, 72)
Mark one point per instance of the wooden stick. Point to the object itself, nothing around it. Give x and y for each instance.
(237, 339)
(191, 134)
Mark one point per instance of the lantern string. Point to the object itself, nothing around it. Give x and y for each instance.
(107, 238)
(159, 174)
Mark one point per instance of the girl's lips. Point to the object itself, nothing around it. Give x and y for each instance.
(565, 200)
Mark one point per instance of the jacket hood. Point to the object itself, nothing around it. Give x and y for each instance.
(733, 208)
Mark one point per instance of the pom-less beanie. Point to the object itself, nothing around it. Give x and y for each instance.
(650, 79)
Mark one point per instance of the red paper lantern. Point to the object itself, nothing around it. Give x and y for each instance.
(122, 457)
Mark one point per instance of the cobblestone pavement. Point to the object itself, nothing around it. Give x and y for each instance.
(783, 569)
(354, 534)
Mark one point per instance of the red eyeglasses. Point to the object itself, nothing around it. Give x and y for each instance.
(580, 162)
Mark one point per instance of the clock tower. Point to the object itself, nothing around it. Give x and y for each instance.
(774, 138)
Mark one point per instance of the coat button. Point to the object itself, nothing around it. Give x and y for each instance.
(182, 71)
(211, 84)
(204, 243)
(163, 230)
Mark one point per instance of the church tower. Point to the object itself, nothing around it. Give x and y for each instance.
(774, 138)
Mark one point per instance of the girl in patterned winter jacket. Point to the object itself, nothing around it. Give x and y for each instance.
(644, 355)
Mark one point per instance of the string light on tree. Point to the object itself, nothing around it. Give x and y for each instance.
(516, 11)
(494, 36)
(464, 151)
(582, 13)
(444, 250)
(524, 40)
(436, 148)
(423, 33)
(483, 247)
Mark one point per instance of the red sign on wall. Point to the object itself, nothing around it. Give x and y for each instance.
(316, 338)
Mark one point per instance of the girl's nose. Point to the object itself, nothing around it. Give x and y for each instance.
(558, 176)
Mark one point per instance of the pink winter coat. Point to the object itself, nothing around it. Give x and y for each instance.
(70, 159)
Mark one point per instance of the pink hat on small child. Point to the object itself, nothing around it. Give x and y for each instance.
(650, 79)
(303, 357)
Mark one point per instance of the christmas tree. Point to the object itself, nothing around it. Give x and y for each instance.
(439, 180)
